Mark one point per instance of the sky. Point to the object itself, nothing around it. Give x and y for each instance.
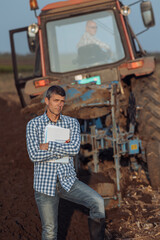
(16, 14)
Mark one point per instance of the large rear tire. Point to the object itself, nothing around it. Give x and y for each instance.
(153, 161)
(146, 92)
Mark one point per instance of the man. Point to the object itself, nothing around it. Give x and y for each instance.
(89, 37)
(58, 180)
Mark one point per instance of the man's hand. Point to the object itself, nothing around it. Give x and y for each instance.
(43, 146)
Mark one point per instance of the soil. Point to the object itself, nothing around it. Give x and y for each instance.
(138, 216)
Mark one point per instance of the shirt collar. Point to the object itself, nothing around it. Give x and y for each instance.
(88, 34)
(46, 118)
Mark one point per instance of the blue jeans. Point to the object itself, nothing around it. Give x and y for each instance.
(80, 193)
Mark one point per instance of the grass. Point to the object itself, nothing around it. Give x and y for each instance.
(25, 63)
(22, 68)
(6, 69)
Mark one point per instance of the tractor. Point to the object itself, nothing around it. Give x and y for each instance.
(110, 81)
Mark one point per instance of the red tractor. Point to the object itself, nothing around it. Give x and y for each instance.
(89, 48)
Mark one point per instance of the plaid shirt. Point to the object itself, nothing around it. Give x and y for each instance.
(87, 39)
(46, 173)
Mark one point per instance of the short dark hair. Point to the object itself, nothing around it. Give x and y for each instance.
(55, 89)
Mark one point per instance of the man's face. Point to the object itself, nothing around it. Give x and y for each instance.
(92, 28)
(55, 104)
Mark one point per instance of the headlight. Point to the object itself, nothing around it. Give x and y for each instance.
(32, 30)
(125, 10)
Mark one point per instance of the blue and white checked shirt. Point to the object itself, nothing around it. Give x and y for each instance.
(46, 173)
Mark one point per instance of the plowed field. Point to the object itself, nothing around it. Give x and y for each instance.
(137, 218)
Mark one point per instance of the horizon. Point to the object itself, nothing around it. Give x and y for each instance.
(22, 17)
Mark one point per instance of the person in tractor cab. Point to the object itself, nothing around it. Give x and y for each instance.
(52, 180)
(89, 37)
(90, 49)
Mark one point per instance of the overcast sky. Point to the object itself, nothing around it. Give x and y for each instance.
(16, 14)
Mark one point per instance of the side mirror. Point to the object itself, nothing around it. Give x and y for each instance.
(147, 14)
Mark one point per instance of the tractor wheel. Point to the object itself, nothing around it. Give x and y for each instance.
(146, 92)
(153, 162)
